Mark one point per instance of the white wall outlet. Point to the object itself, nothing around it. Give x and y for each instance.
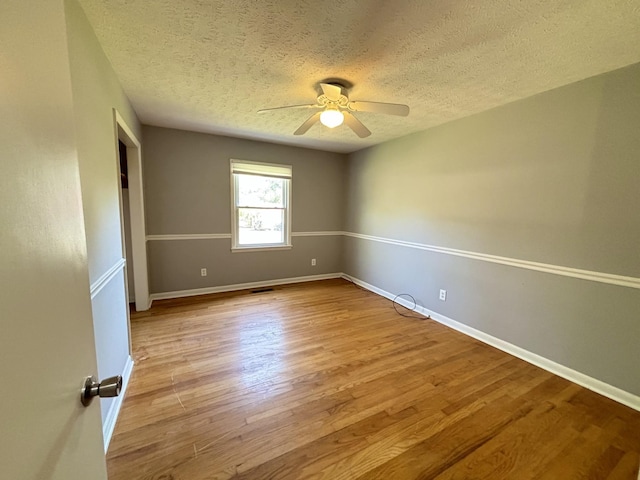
(313, 262)
(203, 272)
(443, 295)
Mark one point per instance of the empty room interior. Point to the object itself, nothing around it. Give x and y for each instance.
(339, 240)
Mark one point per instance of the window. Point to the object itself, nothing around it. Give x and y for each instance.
(260, 199)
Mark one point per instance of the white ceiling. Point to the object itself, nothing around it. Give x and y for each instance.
(209, 65)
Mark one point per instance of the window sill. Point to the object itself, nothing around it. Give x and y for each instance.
(260, 248)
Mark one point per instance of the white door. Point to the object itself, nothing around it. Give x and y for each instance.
(46, 330)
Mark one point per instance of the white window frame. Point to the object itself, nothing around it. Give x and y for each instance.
(284, 172)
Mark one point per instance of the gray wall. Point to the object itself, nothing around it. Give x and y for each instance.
(96, 92)
(187, 191)
(555, 179)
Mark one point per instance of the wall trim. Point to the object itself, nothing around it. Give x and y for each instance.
(114, 410)
(598, 386)
(208, 236)
(327, 233)
(190, 236)
(243, 286)
(601, 277)
(593, 276)
(106, 277)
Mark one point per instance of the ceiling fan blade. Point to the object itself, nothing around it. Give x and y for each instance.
(356, 125)
(377, 107)
(289, 106)
(332, 92)
(307, 124)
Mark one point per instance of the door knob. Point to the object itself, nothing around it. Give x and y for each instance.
(109, 387)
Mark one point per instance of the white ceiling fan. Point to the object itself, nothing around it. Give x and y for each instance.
(335, 108)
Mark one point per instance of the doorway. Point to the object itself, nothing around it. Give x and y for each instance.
(134, 245)
(126, 222)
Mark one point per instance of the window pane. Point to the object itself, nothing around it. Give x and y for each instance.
(258, 191)
(260, 226)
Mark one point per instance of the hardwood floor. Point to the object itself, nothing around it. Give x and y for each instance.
(325, 380)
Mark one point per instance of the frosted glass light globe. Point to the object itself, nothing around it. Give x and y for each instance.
(331, 118)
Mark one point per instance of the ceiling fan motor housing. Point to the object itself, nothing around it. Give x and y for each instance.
(339, 100)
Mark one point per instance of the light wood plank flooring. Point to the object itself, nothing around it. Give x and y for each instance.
(325, 380)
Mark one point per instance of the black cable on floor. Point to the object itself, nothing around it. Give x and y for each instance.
(413, 309)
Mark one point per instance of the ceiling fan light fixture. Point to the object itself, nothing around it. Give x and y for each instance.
(331, 118)
(333, 108)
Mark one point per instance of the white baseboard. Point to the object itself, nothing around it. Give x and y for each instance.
(598, 386)
(243, 286)
(112, 416)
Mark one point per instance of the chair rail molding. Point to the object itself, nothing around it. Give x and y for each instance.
(612, 279)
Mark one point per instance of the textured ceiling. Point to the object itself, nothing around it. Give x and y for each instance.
(209, 65)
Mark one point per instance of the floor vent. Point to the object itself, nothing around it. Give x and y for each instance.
(261, 290)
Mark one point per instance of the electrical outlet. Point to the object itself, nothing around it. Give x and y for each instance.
(443, 295)
(203, 272)
(313, 262)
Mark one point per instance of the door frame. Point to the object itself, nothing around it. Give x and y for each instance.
(140, 278)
